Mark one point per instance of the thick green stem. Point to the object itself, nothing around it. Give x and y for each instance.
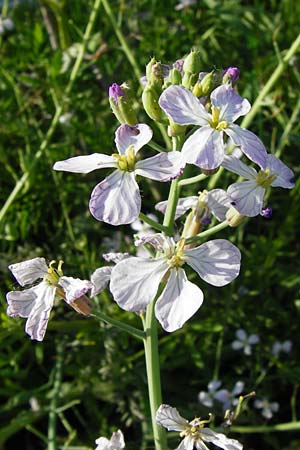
(139, 334)
(22, 181)
(209, 232)
(153, 375)
(290, 426)
(153, 223)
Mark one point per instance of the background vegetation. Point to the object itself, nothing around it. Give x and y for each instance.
(87, 375)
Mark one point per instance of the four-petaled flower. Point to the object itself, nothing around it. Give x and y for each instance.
(135, 281)
(285, 346)
(267, 407)
(207, 398)
(248, 196)
(205, 147)
(116, 442)
(36, 302)
(194, 433)
(116, 200)
(243, 341)
(230, 398)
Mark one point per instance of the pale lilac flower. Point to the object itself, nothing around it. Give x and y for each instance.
(278, 347)
(36, 302)
(207, 398)
(248, 196)
(205, 147)
(116, 442)
(229, 398)
(194, 433)
(244, 342)
(134, 282)
(215, 202)
(267, 407)
(116, 200)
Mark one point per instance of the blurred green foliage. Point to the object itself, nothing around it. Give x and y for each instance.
(102, 380)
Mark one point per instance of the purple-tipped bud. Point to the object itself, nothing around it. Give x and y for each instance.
(267, 212)
(232, 74)
(205, 220)
(115, 91)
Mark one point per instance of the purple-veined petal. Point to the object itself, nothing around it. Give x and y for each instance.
(218, 202)
(29, 271)
(200, 445)
(21, 303)
(86, 163)
(250, 144)
(162, 167)
(217, 262)
(169, 418)
(134, 282)
(235, 165)
(247, 197)
(100, 279)
(114, 257)
(178, 302)
(74, 287)
(231, 105)
(138, 136)
(116, 442)
(157, 240)
(182, 206)
(204, 148)
(183, 107)
(116, 200)
(220, 440)
(284, 173)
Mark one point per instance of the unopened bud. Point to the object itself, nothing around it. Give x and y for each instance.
(233, 217)
(175, 76)
(207, 83)
(267, 212)
(150, 99)
(174, 129)
(197, 90)
(231, 74)
(121, 103)
(192, 63)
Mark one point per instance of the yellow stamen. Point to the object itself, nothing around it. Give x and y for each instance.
(264, 179)
(126, 162)
(214, 122)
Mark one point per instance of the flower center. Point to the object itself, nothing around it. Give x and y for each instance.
(264, 179)
(54, 274)
(214, 122)
(126, 162)
(176, 259)
(194, 428)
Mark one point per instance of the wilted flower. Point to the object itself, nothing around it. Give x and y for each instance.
(194, 433)
(207, 398)
(134, 282)
(267, 407)
(243, 341)
(36, 302)
(229, 398)
(116, 442)
(116, 200)
(285, 346)
(248, 196)
(205, 147)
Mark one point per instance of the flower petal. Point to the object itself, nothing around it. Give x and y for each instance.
(250, 144)
(169, 418)
(204, 148)
(138, 136)
(29, 271)
(220, 440)
(182, 206)
(247, 197)
(235, 165)
(217, 262)
(116, 200)
(114, 257)
(134, 282)
(162, 167)
(178, 302)
(86, 163)
(237, 345)
(284, 173)
(182, 106)
(100, 279)
(238, 388)
(74, 287)
(241, 334)
(20, 303)
(37, 321)
(218, 202)
(231, 105)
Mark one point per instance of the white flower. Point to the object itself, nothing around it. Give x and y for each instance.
(36, 302)
(193, 433)
(207, 398)
(116, 442)
(134, 282)
(230, 399)
(285, 346)
(267, 407)
(101, 277)
(142, 229)
(243, 341)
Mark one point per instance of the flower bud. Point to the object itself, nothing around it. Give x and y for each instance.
(120, 100)
(267, 212)
(231, 74)
(175, 76)
(174, 129)
(197, 90)
(192, 63)
(150, 99)
(207, 83)
(233, 217)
